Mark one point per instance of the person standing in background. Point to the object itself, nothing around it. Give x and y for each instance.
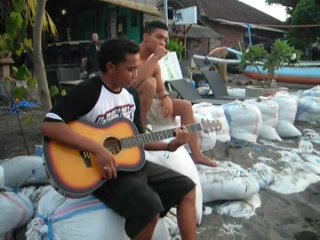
(92, 65)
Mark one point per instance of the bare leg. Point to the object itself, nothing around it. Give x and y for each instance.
(146, 90)
(183, 109)
(187, 216)
(147, 232)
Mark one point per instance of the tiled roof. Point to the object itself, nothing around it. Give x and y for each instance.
(231, 10)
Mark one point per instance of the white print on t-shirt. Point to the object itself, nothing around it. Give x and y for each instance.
(126, 111)
(110, 106)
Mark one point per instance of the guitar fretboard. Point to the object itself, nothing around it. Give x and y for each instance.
(142, 139)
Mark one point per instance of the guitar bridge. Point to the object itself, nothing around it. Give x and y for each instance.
(86, 158)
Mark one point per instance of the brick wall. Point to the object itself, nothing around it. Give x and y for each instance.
(230, 35)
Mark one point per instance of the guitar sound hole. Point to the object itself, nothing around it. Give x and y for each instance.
(113, 145)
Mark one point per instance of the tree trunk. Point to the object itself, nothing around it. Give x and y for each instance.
(37, 56)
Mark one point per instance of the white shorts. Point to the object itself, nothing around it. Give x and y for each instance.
(154, 116)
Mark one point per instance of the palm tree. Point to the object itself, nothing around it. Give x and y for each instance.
(30, 13)
(28, 10)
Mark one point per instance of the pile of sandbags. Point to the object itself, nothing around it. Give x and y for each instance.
(309, 105)
(269, 112)
(228, 181)
(16, 210)
(24, 170)
(207, 111)
(288, 106)
(245, 120)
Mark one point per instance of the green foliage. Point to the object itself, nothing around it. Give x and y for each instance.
(282, 53)
(306, 12)
(287, 3)
(54, 91)
(176, 45)
(253, 55)
(15, 42)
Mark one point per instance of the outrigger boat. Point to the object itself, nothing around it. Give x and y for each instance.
(306, 72)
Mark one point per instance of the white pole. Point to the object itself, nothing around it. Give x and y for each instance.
(165, 11)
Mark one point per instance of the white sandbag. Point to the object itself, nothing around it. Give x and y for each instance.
(312, 135)
(236, 92)
(211, 112)
(294, 174)
(15, 211)
(228, 181)
(61, 218)
(269, 112)
(240, 209)
(1, 177)
(245, 120)
(264, 174)
(66, 218)
(312, 163)
(288, 106)
(161, 231)
(207, 140)
(35, 193)
(308, 109)
(24, 170)
(181, 162)
(312, 92)
(172, 223)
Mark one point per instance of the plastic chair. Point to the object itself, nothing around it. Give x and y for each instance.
(69, 74)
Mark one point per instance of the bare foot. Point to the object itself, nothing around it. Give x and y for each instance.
(202, 159)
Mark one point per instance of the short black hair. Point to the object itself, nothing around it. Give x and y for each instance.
(115, 51)
(152, 26)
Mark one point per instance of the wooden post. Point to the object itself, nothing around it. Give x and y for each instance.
(5, 73)
(5, 68)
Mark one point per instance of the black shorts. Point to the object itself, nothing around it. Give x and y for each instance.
(139, 196)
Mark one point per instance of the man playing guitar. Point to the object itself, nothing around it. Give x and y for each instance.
(140, 196)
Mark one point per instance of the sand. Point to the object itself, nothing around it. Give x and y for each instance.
(292, 216)
(280, 216)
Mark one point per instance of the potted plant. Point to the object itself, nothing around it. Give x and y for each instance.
(280, 54)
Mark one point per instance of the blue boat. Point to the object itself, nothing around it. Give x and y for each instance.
(307, 72)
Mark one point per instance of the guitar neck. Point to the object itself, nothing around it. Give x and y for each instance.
(142, 139)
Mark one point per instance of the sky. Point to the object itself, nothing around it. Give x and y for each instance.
(276, 10)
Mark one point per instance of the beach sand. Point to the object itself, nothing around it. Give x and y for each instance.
(280, 216)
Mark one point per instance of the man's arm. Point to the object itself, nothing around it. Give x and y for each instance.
(60, 132)
(160, 89)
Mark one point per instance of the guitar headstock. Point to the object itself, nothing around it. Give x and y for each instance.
(211, 125)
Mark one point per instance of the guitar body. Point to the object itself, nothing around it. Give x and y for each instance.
(74, 173)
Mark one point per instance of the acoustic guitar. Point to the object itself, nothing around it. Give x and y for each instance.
(75, 173)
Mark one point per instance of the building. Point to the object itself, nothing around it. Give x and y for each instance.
(232, 19)
(76, 20)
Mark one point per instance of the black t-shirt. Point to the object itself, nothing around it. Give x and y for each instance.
(92, 101)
